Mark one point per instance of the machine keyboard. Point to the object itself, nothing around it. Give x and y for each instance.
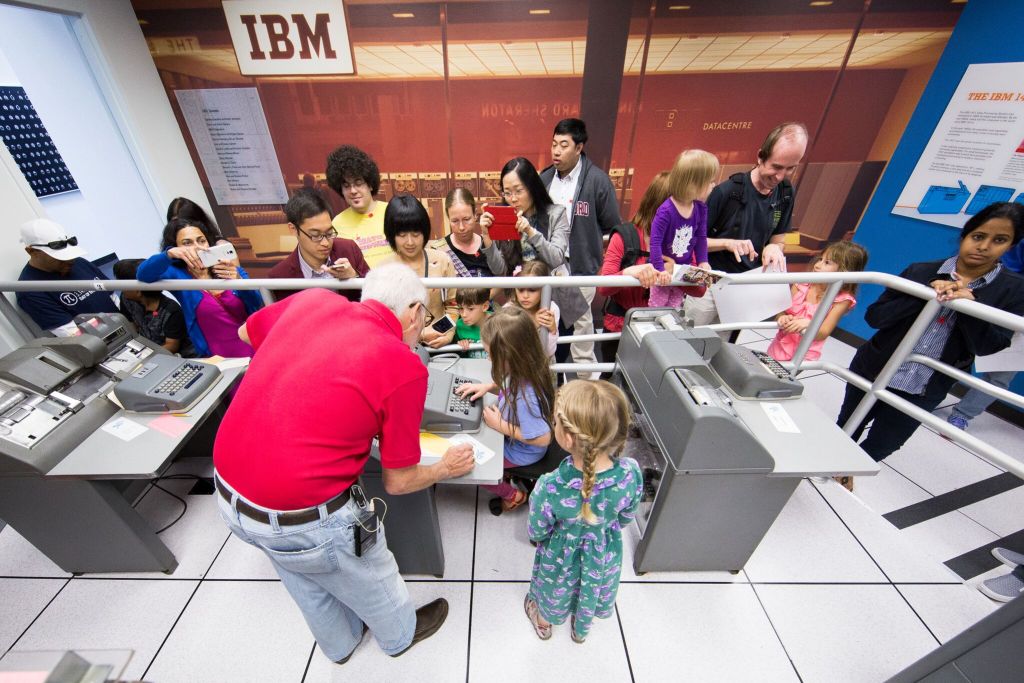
(457, 404)
(182, 378)
(773, 365)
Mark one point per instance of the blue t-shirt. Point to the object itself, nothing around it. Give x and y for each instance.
(531, 424)
(53, 309)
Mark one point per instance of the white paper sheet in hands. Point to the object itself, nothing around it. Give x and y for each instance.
(481, 453)
(1010, 358)
(749, 303)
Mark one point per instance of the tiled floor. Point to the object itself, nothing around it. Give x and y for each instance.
(834, 592)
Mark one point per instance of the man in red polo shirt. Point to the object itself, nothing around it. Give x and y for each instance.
(328, 377)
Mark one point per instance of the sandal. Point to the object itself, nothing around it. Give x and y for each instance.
(509, 505)
(533, 614)
(572, 631)
(846, 482)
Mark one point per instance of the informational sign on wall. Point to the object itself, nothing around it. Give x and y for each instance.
(976, 155)
(230, 133)
(30, 145)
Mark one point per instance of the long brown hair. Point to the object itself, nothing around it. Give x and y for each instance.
(596, 415)
(518, 360)
(849, 256)
(654, 196)
(529, 269)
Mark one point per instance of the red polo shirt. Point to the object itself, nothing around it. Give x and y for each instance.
(327, 377)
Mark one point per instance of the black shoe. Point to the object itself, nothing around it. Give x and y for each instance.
(345, 659)
(428, 620)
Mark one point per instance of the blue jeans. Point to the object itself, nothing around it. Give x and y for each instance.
(975, 401)
(336, 591)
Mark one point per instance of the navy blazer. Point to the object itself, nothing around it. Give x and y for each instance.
(894, 312)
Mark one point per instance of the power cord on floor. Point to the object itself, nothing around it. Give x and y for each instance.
(184, 504)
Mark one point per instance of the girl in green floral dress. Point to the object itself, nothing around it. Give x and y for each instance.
(577, 512)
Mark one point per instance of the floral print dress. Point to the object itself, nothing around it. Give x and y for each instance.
(577, 565)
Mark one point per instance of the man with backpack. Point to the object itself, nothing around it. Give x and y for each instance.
(750, 213)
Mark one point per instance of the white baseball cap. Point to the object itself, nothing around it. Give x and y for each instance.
(50, 238)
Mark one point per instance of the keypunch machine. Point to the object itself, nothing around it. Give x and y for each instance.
(732, 436)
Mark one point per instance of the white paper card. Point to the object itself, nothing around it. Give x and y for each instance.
(738, 303)
(481, 453)
(123, 428)
(780, 419)
(1011, 358)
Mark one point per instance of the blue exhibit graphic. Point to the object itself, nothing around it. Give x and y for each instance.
(1019, 199)
(939, 199)
(988, 194)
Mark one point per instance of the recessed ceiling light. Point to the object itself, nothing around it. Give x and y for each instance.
(678, 7)
(403, 15)
(540, 11)
(821, 3)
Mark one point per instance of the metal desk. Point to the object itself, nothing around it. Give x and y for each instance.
(413, 530)
(80, 514)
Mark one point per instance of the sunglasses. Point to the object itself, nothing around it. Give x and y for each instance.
(58, 244)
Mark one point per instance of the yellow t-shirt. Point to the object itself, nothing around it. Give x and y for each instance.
(366, 230)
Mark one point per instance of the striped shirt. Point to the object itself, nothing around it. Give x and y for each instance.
(913, 377)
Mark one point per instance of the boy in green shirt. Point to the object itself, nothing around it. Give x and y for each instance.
(474, 307)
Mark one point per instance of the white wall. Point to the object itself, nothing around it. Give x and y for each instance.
(122, 70)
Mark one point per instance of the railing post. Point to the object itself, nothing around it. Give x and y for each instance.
(824, 306)
(905, 348)
(545, 302)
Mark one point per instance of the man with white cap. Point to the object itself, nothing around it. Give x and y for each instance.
(55, 255)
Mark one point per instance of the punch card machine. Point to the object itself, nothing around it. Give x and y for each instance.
(53, 391)
(732, 436)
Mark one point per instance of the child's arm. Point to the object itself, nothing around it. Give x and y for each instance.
(542, 514)
(492, 418)
(784, 318)
(800, 325)
(636, 491)
(659, 226)
(476, 391)
(700, 239)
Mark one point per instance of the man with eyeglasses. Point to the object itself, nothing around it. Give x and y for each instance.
(55, 255)
(320, 253)
(297, 436)
(355, 176)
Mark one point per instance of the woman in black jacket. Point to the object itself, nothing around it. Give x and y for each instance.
(974, 273)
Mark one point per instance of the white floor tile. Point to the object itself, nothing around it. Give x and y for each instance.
(948, 610)
(898, 555)
(1001, 514)
(937, 465)
(18, 557)
(827, 393)
(630, 538)
(846, 633)
(996, 431)
(442, 657)
(809, 543)
(23, 600)
(948, 536)
(456, 510)
(103, 614)
(239, 561)
(503, 550)
(838, 352)
(700, 633)
(505, 648)
(750, 336)
(236, 631)
(888, 490)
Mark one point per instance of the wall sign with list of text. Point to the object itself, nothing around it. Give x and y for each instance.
(30, 145)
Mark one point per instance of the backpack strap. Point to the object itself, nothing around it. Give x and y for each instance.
(734, 202)
(631, 251)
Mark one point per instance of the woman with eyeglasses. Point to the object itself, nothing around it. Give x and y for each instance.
(463, 244)
(543, 234)
(212, 316)
(407, 229)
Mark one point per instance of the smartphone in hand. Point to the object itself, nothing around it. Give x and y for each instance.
(218, 252)
(443, 324)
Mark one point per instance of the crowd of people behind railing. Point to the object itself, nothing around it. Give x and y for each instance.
(566, 221)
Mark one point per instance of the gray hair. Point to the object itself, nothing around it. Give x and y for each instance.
(394, 285)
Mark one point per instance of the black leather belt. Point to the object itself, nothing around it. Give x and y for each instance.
(292, 518)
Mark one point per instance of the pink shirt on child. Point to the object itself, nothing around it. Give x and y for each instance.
(784, 345)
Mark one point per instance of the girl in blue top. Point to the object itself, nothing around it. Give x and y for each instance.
(577, 512)
(526, 392)
(209, 315)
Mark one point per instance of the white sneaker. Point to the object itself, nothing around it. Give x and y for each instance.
(1002, 588)
(1008, 557)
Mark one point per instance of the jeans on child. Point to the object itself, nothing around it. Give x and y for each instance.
(336, 591)
(975, 401)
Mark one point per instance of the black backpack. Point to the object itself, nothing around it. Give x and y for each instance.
(631, 251)
(734, 202)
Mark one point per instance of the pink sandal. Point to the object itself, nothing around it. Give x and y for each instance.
(533, 614)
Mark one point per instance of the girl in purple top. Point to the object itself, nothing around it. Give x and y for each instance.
(680, 226)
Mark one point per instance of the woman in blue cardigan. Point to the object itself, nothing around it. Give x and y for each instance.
(212, 316)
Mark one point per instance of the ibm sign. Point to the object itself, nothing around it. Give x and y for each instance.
(289, 38)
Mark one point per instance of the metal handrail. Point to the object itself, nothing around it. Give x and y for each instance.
(874, 391)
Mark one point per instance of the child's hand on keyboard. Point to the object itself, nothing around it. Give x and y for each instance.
(473, 391)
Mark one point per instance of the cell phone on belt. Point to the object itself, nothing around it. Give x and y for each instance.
(443, 324)
(218, 252)
(504, 225)
(367, 526)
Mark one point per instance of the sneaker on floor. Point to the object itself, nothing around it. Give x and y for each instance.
(958, 421)
(428, 620)
(1008, 557)
(1002, 588)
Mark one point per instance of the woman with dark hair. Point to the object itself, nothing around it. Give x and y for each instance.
(974, 273)
(543, 234)
(182, 207)
(211, 316)
(407, 229)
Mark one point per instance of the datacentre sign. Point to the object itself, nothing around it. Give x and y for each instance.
(289, 37)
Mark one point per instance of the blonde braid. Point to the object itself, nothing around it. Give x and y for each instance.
(588, 453)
